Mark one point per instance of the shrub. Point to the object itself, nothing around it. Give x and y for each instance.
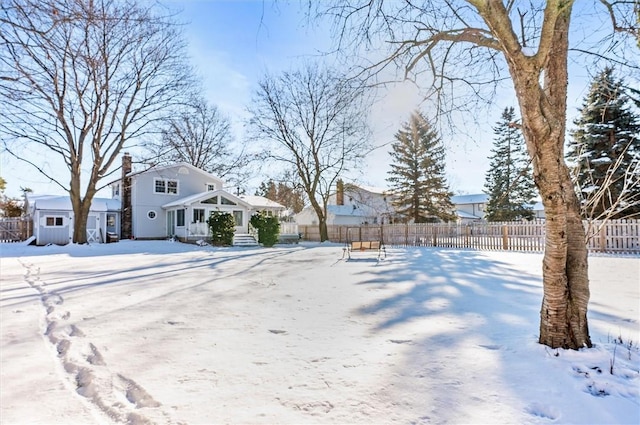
(268, 228)
(222, 226)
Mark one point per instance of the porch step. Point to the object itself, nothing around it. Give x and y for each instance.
(243, 239)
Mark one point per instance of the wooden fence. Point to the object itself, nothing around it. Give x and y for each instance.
(15, 229)
(612, 236)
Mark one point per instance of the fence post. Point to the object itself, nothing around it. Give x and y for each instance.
(406, 234)
(466, 236)
(602, 236)
(505, 237)
(435, 235)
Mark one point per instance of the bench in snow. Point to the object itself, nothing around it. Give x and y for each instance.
(363, 246)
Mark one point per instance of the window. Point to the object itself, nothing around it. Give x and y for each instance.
(172, 187)
(198, 215)
(54, 221)
(211, 186)
(212, 200)
(180, 218)
(165, 186)
(115, 190)
(152, 215)
(225, 201)
(111, 220)
(160, 186)
(237, 216)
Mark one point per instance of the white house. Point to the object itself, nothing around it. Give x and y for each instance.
(472, 207)
(352, 205)
(176, 201)
(158, 203)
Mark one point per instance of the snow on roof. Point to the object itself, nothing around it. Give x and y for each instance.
(370, 189)
(463, 214)
(63, 203)
(478, 198)
(260, 202)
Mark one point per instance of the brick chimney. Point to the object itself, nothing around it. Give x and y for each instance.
(126, 217)
(339, 192)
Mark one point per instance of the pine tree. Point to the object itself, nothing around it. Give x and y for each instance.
(604, 151)
(509, 182)
(417, 176)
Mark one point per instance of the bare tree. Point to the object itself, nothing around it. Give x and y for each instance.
(200, 134)
(315, 121)
(622, 202)
(82, 80)
(475, 45)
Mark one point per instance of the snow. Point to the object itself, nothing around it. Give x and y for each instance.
(163, 332)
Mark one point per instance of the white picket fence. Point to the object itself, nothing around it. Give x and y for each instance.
(612, 236)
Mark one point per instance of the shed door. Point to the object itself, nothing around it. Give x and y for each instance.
(93, 228)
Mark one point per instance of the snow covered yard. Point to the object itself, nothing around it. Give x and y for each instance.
(162, 332)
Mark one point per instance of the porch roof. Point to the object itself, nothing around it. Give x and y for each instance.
(198, 197)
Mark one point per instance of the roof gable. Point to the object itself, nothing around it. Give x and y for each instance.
(203, 196)
(178, 166)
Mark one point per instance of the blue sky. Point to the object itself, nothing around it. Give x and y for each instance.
(233, 43)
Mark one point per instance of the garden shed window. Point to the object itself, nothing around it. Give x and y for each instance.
(54, 221)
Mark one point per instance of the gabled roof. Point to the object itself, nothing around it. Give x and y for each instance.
(63, 203)
(178, 165)
(198, 197)
(352, 187)
(478, 198)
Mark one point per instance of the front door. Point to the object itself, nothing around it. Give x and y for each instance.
(239, 216)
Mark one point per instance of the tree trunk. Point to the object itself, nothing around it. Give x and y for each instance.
(80, 226)
(563, 316)
(324, 232)
(322, 218)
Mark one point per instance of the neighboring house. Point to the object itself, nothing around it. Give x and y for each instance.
(471, 208)
(162, 202)
(354, 205)
(53, 219)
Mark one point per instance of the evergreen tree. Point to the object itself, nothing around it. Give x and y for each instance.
(509, 181)
(283, 193)
(417, 176)
(604, 151)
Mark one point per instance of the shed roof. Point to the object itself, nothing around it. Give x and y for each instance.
(63, 203)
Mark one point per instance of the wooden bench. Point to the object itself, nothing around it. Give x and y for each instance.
(362, 246)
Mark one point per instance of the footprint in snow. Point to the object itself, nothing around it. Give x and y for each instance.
(543, 411)
(401, 341)
(277, 331)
